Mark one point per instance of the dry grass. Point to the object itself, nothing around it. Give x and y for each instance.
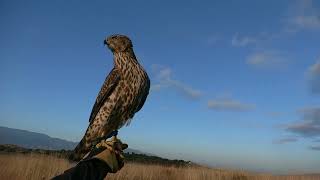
(156, 172)
(19, 166)
(32, 166)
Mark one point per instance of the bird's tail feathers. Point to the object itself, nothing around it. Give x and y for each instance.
(84, 147)
(79, 152)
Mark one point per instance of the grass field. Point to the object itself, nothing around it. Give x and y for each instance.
(35, 166)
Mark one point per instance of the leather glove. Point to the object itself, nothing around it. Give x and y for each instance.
(109, 151)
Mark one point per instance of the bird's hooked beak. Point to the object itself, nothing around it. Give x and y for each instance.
(105, 42)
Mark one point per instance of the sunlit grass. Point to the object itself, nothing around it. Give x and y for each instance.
(35, 166)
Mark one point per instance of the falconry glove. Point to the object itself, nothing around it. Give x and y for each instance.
(110, 152)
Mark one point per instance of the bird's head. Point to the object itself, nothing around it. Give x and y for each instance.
(118, 43)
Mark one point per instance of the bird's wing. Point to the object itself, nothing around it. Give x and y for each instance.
(107, 88)
(144, 96)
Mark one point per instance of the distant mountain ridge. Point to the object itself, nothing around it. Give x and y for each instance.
(33, 140)
(130, 157)
(23, 141)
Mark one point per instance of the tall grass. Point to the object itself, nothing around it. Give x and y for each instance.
(35, 166)
(31, 166)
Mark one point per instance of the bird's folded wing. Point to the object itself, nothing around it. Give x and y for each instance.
(144, 96)
(107, 88)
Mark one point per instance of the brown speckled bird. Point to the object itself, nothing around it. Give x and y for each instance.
(122, 94)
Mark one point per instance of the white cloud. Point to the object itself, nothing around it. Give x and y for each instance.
(285, 140)
(266, 59)
(314, 77)
(156, 87)
(242, 41)
(275, 114)
(165, 74)
(314, 70)
(309, 127)
(315, 148)
(309, 22)
(164, 79)
(228, 104)
(305, 16)
(213, 39)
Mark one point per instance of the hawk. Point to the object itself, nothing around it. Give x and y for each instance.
(122, 94)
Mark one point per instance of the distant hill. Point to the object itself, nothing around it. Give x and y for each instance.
(129, 157)
(33, 140)
(22, 141)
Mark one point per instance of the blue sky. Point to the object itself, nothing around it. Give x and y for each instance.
(234, 84)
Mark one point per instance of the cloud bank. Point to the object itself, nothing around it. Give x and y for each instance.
(309, 127)
(315, 148)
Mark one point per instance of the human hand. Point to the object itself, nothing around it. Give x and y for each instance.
(109, 151)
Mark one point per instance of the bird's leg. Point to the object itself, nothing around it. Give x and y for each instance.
(112, 135)
(114, 138)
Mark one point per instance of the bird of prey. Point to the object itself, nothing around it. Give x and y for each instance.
(122, 94)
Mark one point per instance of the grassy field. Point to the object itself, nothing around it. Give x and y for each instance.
(35, 166)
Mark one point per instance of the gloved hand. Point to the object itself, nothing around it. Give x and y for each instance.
(109, 151)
